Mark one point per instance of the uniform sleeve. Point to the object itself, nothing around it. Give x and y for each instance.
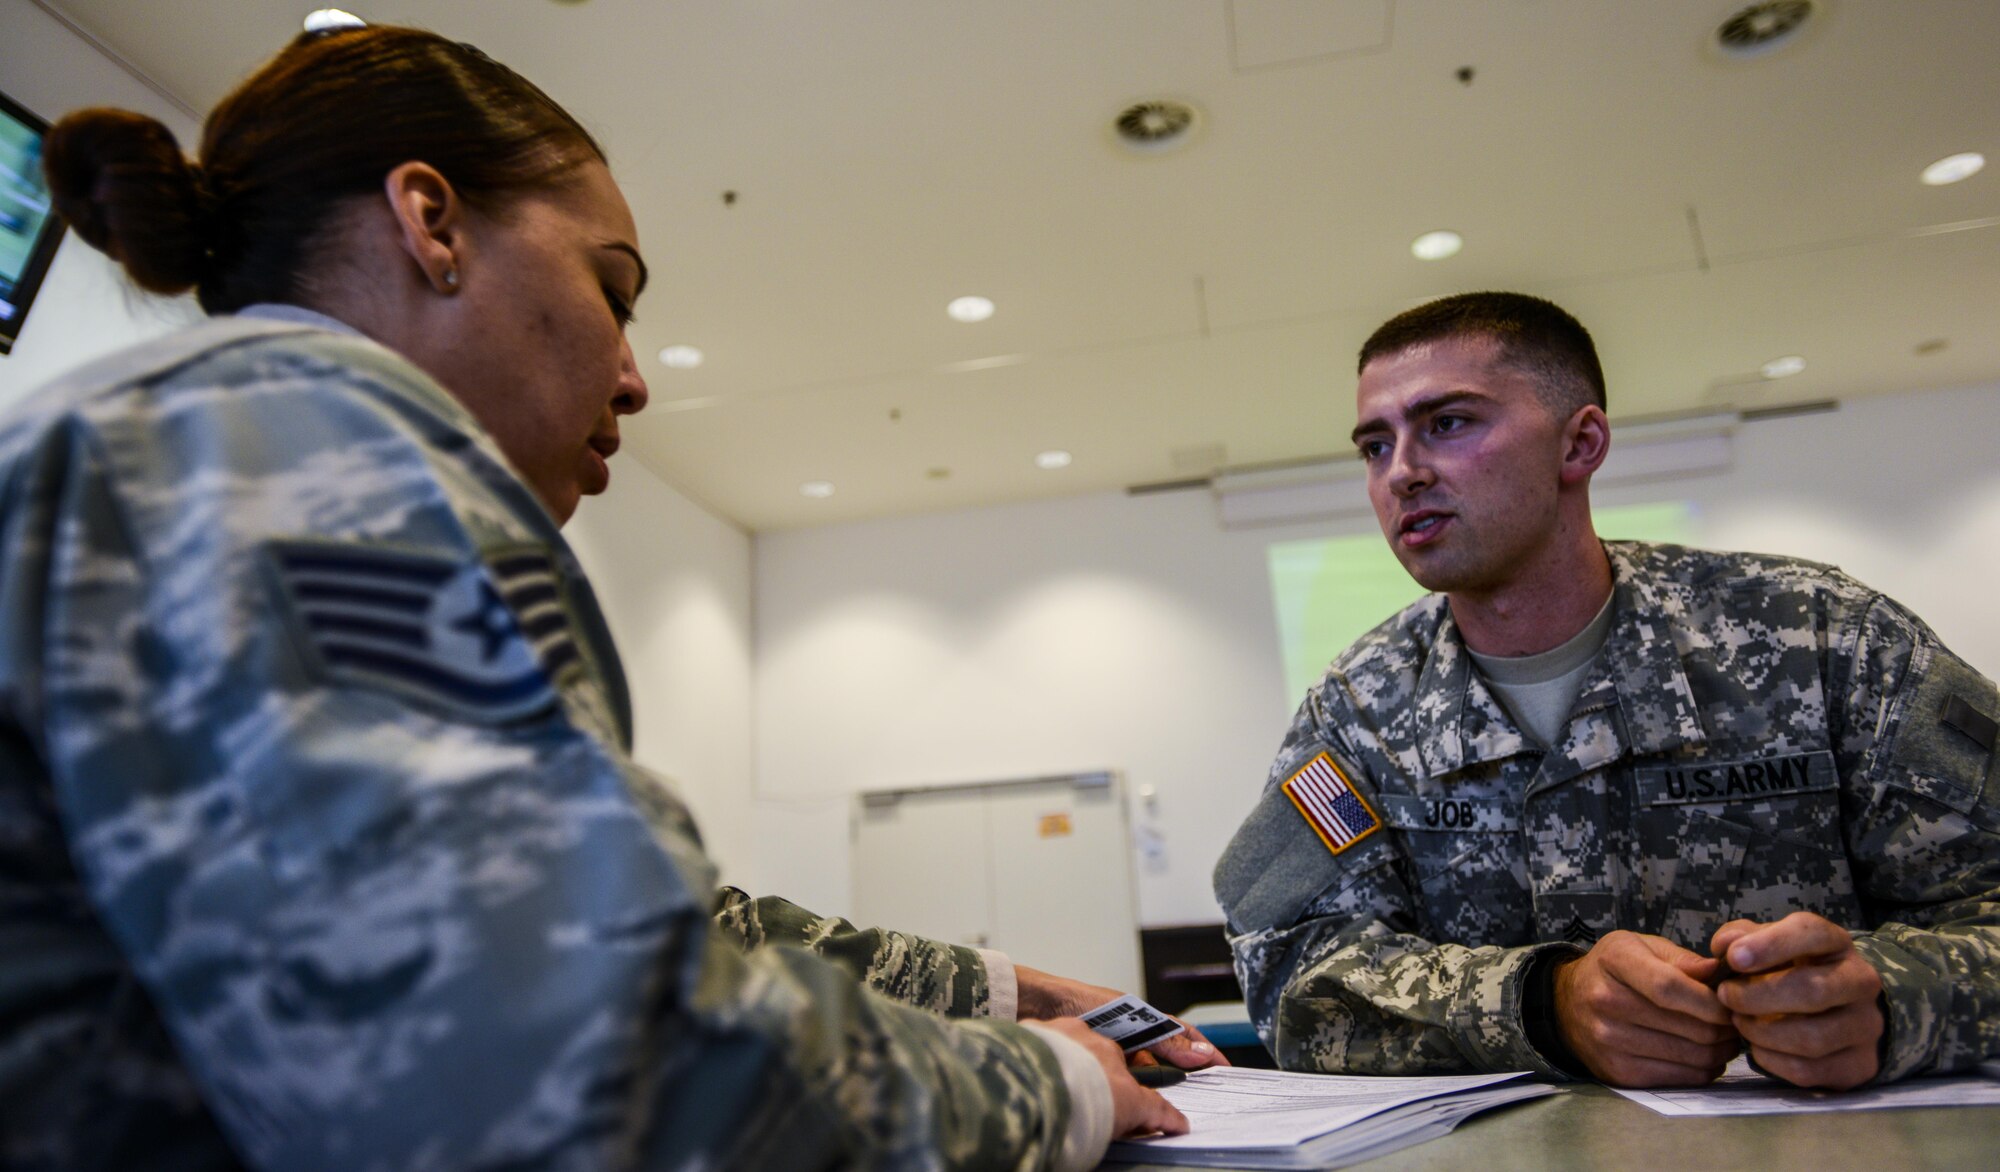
(1331, 952)
(1917, 754)
(393, 924)
(943, 978)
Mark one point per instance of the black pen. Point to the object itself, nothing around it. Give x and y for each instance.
(1157, 1076)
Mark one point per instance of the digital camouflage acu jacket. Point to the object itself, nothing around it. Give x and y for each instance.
(320, 843)
(1759, 735)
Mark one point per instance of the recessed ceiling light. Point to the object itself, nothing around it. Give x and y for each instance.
(969, 309)
(1436, 245)
(323, 19)
(1953, 168)
(819, 490)
(1155, 126)
(1785, 367)
(1763, 27)
(1052, 459)
(681, 357)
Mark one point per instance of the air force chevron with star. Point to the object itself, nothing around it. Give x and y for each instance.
(1339, 815)
(488, 641)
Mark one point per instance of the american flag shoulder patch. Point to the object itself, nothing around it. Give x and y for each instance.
(1336, 812)
(488, 640)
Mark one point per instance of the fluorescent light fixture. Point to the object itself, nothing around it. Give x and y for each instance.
(1785, 367)
(1436, 245)
(819, 490)
(321, 20)
(972, 364)
(969, 309)
(681, 357)
(1953, 168)
(1052, 459)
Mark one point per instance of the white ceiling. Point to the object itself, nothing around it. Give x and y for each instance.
(1700, 215)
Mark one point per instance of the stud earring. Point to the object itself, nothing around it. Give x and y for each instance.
(451, 278)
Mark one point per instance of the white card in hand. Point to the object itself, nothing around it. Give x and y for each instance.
(1131, 1023)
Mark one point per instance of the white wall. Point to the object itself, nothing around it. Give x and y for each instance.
(1134, 633)
(85, 308)
(674, 582)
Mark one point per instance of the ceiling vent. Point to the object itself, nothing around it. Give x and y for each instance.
(1763, 28)
(1154, 126)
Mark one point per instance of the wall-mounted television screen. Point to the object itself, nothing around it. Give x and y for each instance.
(29, 231)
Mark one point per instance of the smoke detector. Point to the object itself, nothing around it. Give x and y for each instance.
(1759, 29)
(1155, 126)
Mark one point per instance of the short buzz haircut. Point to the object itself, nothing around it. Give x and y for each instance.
(1536, 337)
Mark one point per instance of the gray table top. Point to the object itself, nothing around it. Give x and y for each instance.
(1590, 1128)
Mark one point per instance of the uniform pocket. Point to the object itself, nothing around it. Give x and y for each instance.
(1470, 864)
(1701, 867)
(1803, 869)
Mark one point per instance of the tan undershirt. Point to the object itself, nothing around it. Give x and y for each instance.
(1539, 690)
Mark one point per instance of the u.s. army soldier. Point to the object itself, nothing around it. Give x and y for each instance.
(1604, 808)
(320, 841)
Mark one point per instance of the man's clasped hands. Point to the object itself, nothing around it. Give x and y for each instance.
(1641, 1011)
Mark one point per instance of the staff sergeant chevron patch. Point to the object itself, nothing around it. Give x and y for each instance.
(481, 641)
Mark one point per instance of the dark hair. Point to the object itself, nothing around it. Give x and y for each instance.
(325, 120)
(1535, 336)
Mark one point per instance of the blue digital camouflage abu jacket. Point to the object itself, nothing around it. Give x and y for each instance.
(319, 842)
(1759, 735)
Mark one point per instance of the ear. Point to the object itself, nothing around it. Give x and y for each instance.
(1586, 441)
(430, 218)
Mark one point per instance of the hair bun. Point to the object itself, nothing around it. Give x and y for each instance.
(122, 183)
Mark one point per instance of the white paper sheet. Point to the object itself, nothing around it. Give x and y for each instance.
(1231, 1108)
(1742, 1091)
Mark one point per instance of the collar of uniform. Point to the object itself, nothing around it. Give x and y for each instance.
(297, 315)
(1643, 661)
(422, 386)
(1459, 721)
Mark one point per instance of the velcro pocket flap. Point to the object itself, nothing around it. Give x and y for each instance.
(1277, 865)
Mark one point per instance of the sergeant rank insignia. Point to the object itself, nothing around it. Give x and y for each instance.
(1579, 933)
(487, 640)
(1339, 815)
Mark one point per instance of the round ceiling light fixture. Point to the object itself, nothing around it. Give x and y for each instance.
(322, 20)
(1436, 245)
(818, 490)
(1757, 29)
(1155, 126)
(680, 357)
(1953, 168)
(969, 309)
(1052, 459)
(1785, 367)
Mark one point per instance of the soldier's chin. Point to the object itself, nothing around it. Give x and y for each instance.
(560, 500)
(1428, 572)
(1440, 577)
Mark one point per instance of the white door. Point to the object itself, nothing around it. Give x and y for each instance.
(1039, 869)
